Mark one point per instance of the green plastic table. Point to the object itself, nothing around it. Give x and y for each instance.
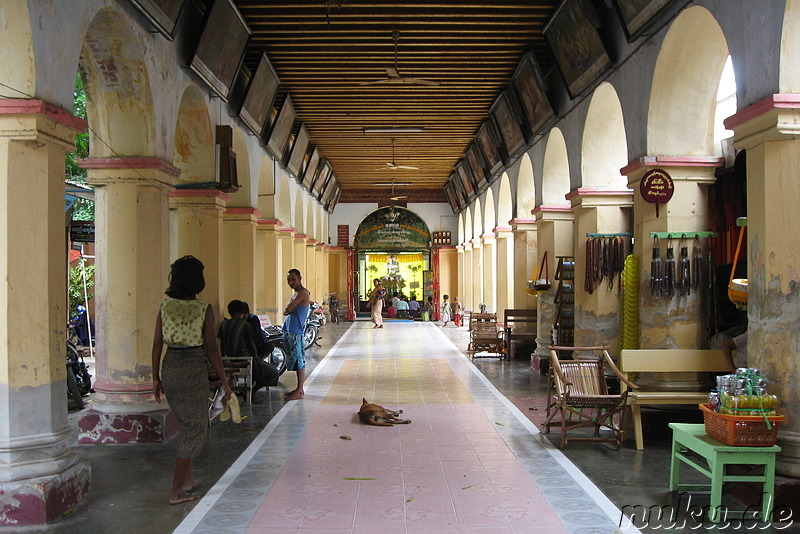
(692, 437)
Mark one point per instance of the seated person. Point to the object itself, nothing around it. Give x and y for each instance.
(413, 308)
(402, 308)
(237, 339)
(263, 347)
(391, 311)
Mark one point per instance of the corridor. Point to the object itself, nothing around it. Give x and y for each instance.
(468, 462)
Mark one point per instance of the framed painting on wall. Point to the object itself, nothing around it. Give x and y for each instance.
(278, 142)
(489, 140)
(531, 90)
(221, 47)
(636, 15)
(477, 165)
(451, 197)
(311, 169)
(576, 45)
(260, 97)
(163, 14)
(325, 170)
(298, 153)
(458, 188)
(507, 119)
(465, 175)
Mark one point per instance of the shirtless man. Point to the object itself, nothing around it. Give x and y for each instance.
(296, 312)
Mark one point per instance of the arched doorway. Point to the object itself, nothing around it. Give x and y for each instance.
(394, 244)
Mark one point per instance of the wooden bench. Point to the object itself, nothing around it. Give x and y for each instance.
(518, 325)
(484, 336)
(668, 361)
(239, 371)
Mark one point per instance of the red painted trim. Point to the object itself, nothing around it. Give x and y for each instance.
(312, 242)
(596, 192)
(502, 229)
(134, 162)
(269, 221)
(200, 193)
(488, 236)
(243, 211)
(34, 106)
(523, 221)
(671, 161)
(300, 236)
(776, 101)
(286, 229)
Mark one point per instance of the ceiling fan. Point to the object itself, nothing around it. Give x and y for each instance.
(392, 166)
(393, 196)
(393, 75)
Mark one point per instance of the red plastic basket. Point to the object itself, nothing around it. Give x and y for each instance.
(741, 430)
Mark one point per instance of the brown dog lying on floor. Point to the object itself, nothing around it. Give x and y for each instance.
(372, 414)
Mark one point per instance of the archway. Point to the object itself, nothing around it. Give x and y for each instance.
(555, 171)
(605, 149)
(18, 68)
(505, 203)
(526, 188)
(194, 144)
(789, 78)
(394, 244)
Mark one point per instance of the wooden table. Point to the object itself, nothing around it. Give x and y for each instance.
(692, 437)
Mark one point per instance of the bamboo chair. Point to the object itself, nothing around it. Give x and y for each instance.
(485, 336)
(577, 390)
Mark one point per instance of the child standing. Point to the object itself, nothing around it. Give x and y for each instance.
(458, 311)
(446, 310)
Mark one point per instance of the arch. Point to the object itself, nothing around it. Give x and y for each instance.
(194, 145)
(526, 188)
(283, 200)
(505, 206)
(489, 219)
(392, 228)
(789, 72)
(467, 224)
(119, 104)
(684, 92)
(460, 228)
(242, 197)
(555, 172)
(266, 188)
(18, 65)
(299, 215)
(605, 149)
(477, 225)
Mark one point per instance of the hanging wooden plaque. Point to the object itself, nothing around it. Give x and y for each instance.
(656, 187)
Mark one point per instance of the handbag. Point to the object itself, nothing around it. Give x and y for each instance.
(543, 284)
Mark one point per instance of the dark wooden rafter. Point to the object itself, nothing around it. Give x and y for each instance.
(324, 51)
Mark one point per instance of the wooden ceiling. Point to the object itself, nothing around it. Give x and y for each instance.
(324, 52)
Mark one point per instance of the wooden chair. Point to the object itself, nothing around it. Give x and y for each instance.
(484, 336)
(239, 371)
(578, 388)
(519, 325)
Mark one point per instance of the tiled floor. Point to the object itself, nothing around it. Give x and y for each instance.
(469, 461)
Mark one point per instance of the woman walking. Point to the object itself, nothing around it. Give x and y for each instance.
(376, 302)
(186, 325)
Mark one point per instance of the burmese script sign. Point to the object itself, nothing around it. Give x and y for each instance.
(656, 187)
(392, 228)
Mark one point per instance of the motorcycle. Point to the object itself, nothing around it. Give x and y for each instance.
(333, 307)
(318, 313)
(79, 381)
(273, 350)
(312, 326)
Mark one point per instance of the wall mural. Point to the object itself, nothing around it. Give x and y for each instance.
(392, 228)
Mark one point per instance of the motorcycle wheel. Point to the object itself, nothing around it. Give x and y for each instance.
(310, 334)
(277, 358)
(73, 391)
(84, 380)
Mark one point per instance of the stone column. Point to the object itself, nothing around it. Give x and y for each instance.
(462, 280)
(670, 322)
(489, 245)
(525, 261)
(598, 211)
(769, 132)
(477, 274)
(555, 231)
(469, 287)
(270, 274)
(239, 255)
(300, 254)
(286, 242)
(41, 478)
(132, 249)
(310, 274)
(505, 268)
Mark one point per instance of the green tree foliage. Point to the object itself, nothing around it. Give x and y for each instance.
(75, 288)
(84, 209)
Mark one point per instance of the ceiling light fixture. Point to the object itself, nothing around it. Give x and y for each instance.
(394, 129)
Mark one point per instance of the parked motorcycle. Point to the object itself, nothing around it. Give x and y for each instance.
(274, 350)
(79, 381)
(333, 307)
(312, 326)
(318, 313)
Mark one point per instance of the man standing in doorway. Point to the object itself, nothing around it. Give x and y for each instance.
(296, 312)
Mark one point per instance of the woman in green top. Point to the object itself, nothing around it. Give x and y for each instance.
(186, 325)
